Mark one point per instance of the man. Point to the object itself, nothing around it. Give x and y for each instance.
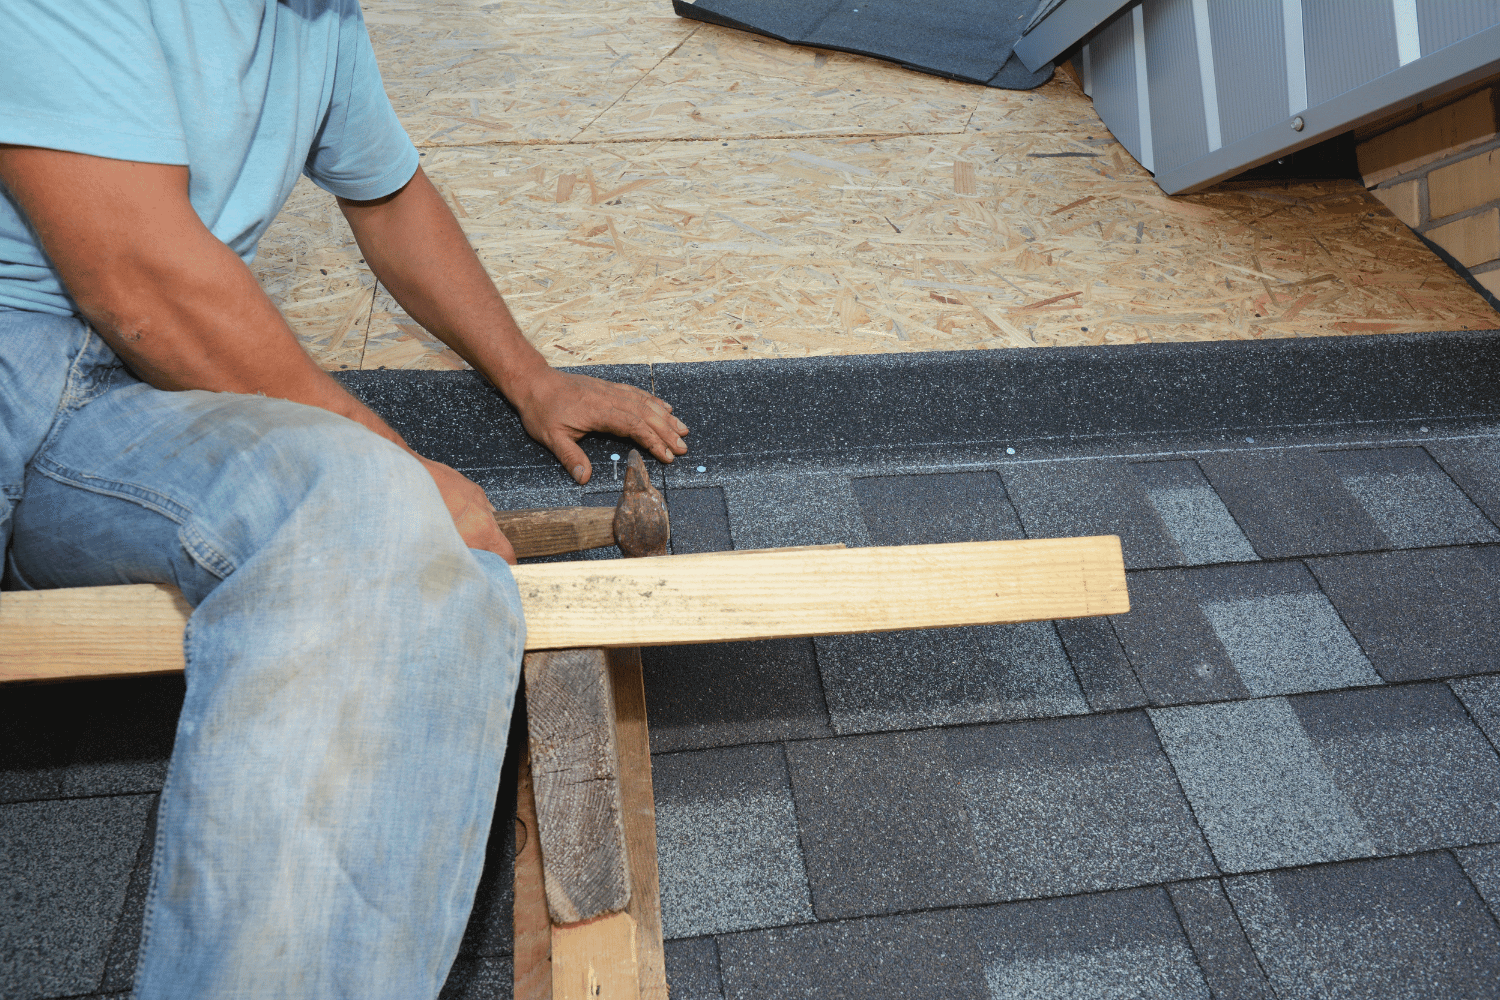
(354, 650)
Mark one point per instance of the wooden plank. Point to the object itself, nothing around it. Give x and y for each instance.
(595, 960)
(533, 927)
(553, 531)
(104, 631)
(575, 772)
(638, 803)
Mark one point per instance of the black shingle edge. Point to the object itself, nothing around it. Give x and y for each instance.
(766, 412)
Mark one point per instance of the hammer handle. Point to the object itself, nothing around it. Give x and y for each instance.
(552, 531)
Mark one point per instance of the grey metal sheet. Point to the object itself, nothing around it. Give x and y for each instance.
(1458, 64)
(1348, 44)
(1179, 134)
(1063, 26)
(1443, 22)
(1112, 64)
(1249, 61)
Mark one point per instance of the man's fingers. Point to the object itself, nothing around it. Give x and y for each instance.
(572, 457)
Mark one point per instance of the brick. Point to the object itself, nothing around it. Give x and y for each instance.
(1472, 240)
(1403, 202)
(1435, 135)
(1466, 184)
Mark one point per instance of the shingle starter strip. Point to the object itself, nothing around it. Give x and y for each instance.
(1279, 770)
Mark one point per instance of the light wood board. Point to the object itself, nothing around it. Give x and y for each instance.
(667, 600)
(531, 923)
(596, 960)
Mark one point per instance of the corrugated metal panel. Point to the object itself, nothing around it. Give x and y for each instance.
(1349, 43)
(1112, 66)
(1249, 58)
(1443, 22)
(1178, 129)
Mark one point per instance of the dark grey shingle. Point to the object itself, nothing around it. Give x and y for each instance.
(119, 968)
(491, 927)
(1411, 763)
(1099, 662)
(1194, 515)
(1289, 503)
(719, 694)
(1074, 805)
(1170, 643)
(1067, 499)
(923, 956)
(128, 730)
(64, 868)
(726, 842)
(37, 735)
(699, 519)
(1481, 696)
(1419, 614)
(883, 825)
(937, 677)
(1116, 944)
(935, 508)
(1224, 955)
(693, 969)
(1475, 466)
(1482, 865)
(813, 508)
(480, 978)
(1394, 927)
(1410, 498)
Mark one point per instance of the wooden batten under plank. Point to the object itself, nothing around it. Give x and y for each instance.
(667, 600)
(596, 960)
(531, 923)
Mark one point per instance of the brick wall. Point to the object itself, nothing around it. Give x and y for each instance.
(1437, 168)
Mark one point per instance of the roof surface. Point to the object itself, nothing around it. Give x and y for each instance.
(1275, 777)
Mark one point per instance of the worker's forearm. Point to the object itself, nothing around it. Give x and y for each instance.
(418, 251)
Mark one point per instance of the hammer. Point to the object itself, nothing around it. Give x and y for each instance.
(637, 524)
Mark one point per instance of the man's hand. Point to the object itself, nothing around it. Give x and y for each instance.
(557, 408)
(472, 512)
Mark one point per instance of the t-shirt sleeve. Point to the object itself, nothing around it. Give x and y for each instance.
(87, 78)
(361, 152)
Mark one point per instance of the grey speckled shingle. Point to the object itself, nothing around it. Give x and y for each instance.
(726, 842)
(1482, 864)
(64, 867)
(1224, 954)
(1067, 499)
(1394, 927)
(1475, 466)
(480, 978)
(1419, 614)
(1170, 643)
(719, 694)
(119, 969)
(936, 508)
(883, 825)
(129, 727)
(923, 956)
(1098, 659)
(699, 520)
(693, 969)
(1410, 762)
(813, 508)
(937, 677)
(1193, 513)
(1290, 503)
(36, 740)
(1410, 498)
(1073, 805)
(1125, 945)
(1481, 696)
(1259, 789)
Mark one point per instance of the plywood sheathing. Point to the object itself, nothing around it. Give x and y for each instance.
(761, 218)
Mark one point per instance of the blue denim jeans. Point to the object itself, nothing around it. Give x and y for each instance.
(351, 667)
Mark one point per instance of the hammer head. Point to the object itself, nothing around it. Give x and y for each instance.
(641, 527)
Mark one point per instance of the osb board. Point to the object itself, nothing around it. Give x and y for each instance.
(726, 84)
(465, 72)
(310, 266)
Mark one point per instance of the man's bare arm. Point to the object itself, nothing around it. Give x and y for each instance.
(418, 251)
(178, 306)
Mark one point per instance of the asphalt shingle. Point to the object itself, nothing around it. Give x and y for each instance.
(64, 869)
(1392, 927)
(726, 842)
(1224, 954)
(36, 740)
(1482, 865)
(1481, 696)
(479, 978)
(1171, 644)
(119, 968)
(718, 694)
(1194, 515)
(883, 825)
(1118, 944)
(1259, 790)
(1419, 614)
(1067, 499)
(699, 519)
(1099, 662)
(935, 677)
(1290, 503)
(128, 730)
(924, 956)
(1474, 464)
(936, 508)
(1074, 805)
(1410, 498)
(772, 511)
(693, 969)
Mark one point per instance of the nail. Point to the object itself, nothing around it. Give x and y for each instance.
(681, 427)
(578, 473)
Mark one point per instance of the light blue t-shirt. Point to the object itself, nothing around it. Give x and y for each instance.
(246, 93)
